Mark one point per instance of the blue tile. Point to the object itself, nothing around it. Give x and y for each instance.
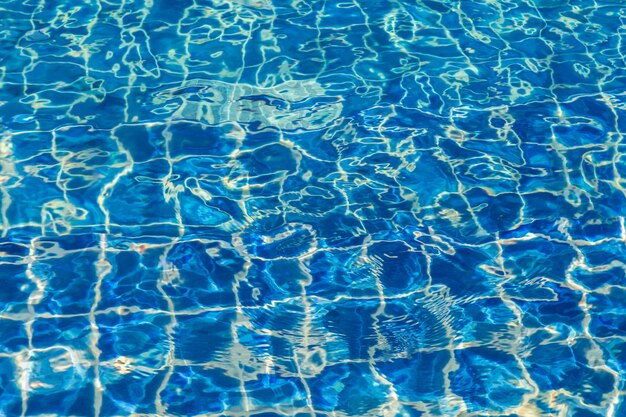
(488, 379)
(193, 391)
(204, 337)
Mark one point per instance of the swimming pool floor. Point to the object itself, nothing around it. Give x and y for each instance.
(313, 208)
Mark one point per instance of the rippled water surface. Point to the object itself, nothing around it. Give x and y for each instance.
(313, 208)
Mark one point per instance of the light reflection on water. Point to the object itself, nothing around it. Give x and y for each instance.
(364, 208)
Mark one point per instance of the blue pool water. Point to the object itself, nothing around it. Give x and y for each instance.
(313, 208)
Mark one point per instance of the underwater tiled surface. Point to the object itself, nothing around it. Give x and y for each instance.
(312, 208)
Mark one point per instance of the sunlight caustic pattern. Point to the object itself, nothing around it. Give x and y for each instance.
(312, 208)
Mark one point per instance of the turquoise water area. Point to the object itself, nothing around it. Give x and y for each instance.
(313, 208)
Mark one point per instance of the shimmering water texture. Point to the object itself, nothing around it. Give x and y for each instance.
(313, 208)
